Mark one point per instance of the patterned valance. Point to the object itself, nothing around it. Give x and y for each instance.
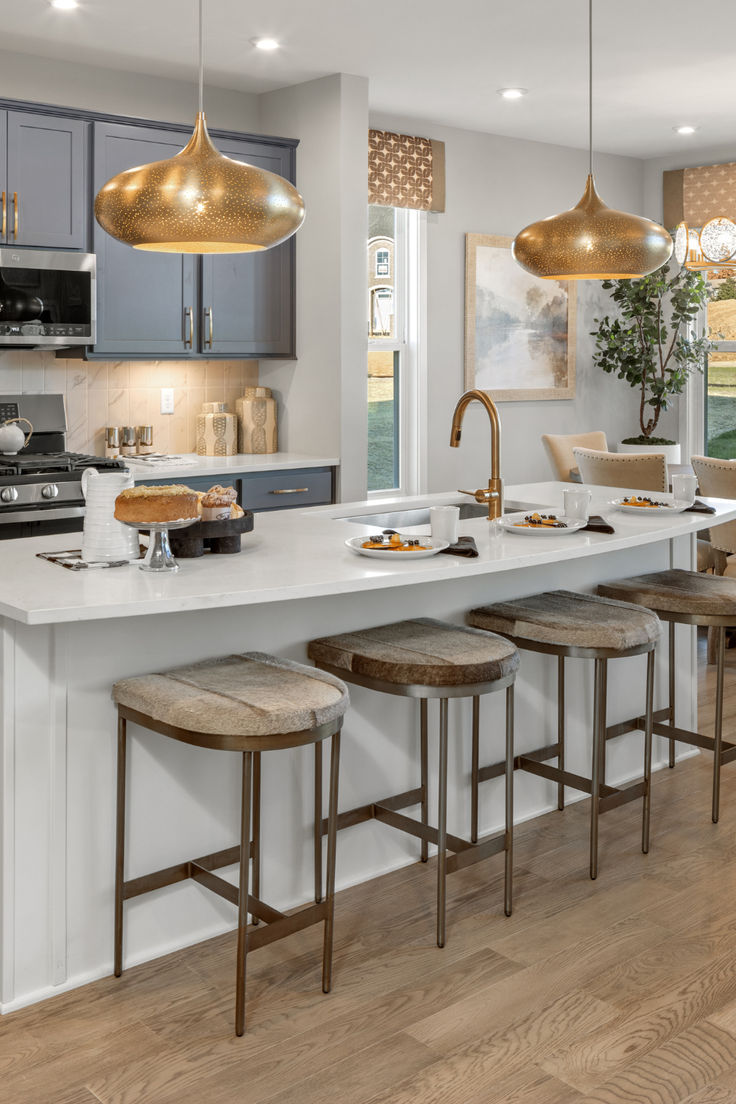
(696, 195)
(405, 172)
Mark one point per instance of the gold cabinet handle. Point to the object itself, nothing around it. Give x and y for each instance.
(5, 218)
(16, 215)
(189, 330)
(209, 315)
(291, 490)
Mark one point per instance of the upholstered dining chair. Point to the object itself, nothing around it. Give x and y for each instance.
(640, 471)
(717, 479)
(559, 449)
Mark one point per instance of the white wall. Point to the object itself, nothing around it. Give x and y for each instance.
(323, 393)
(498, 185)
(44, 80)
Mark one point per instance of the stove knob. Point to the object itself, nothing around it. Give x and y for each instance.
(8, 494)
(50, 490)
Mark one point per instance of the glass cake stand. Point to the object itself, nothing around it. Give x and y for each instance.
(159, 556)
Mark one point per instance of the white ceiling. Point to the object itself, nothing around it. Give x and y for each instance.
(657, 63)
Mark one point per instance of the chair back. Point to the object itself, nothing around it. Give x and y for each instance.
(717, 479)
(559, 449)
(639, 471)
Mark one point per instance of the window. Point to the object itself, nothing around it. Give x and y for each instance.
(393, 324)
(720, 402)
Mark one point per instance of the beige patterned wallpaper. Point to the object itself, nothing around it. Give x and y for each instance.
(124, 392)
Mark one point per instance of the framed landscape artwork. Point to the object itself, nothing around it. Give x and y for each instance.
(519, 330)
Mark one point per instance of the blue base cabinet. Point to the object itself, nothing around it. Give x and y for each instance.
(267, 490)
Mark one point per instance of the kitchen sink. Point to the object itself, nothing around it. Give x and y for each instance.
(395, 519)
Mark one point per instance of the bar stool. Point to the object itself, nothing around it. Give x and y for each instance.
(580, 626)
(425, 658)
(687, 598)
(247, 703)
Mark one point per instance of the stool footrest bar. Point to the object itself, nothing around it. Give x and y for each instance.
(214, 883)
(170, 875)
(483, 849)
(368, 812)
(696, 739)
(622, 796)
(287, 925)
(636, 724)
(497, 770)
(416, 828)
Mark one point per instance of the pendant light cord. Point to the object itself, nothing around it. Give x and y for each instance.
(590, 86)
(201, 61)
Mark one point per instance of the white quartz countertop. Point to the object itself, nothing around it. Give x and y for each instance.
(294, 554)
(191, 464)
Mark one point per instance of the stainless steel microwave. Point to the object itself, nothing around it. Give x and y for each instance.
(48, 298)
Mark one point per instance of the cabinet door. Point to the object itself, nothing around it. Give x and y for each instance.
(141, 297)
(248, 298)
(47, 195)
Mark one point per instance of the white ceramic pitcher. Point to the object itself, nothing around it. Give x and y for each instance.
(104, 538)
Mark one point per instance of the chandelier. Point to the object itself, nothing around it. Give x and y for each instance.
(713, 247)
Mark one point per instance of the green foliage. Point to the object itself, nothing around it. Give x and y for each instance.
(723, 445)
(651, 343)
(727, 290)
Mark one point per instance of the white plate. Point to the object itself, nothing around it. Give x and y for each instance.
(572, 525)
(673, 506)
(354, 544)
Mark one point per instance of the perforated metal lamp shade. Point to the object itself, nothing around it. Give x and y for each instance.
(592, 242)
(199, 202)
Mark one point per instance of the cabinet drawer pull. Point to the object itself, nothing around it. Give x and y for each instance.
(291, 490)
(189, 329)
(16, 214)
(5, 218)
(210, 316)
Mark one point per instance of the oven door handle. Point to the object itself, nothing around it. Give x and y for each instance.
(53, 512)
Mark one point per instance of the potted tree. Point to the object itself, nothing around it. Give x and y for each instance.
(651, 344)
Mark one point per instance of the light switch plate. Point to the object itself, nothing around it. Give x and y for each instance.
(167, 400)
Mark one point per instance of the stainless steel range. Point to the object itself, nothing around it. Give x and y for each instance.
(40, 487)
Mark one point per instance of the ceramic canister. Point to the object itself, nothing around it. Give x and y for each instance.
(257, 425)
(217, 431)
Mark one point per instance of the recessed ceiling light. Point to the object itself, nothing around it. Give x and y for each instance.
(65, 5)
(512, 93)
(684, 129)
(265, 43)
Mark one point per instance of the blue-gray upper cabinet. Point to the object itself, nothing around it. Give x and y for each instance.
(146, 302)
(44, 180)
(247, 301)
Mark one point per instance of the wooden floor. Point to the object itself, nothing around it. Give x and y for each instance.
(620, 990)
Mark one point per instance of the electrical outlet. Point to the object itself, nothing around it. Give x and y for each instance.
(167, 400)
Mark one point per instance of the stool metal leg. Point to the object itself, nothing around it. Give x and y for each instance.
(718, 742)
(648, 721)
(474, 781)
(243, 894)
(442, 827)
(331, 863)
(671, 693)
(509, 841)
(120, 846)
(318, 821)
(561, 728)
(256, 835)
(604, 710)
(423, 756)
(598, 736)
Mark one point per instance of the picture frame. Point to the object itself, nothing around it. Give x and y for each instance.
(520, 330)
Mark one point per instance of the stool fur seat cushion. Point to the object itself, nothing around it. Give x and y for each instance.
(677, 591)
(253, 694)
(564, 618)
(421, 652)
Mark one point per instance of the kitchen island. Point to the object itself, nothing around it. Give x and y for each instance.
(67, 636)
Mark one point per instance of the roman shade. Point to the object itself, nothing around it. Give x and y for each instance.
(404, 171)
(696, 195)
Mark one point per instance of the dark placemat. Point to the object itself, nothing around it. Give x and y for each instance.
(699, 507)
(464, 546)
(597, 524)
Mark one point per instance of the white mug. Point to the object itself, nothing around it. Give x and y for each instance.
(105, 538)
(577, 503)
(684, 487)
(443, 520)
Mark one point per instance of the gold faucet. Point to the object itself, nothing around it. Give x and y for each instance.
(493, 496)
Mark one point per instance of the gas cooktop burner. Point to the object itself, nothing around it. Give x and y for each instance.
(38, 463)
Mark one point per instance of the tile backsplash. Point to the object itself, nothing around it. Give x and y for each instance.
(123, 392)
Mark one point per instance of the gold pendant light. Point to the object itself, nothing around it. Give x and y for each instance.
(199, 201)
(592, 241)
